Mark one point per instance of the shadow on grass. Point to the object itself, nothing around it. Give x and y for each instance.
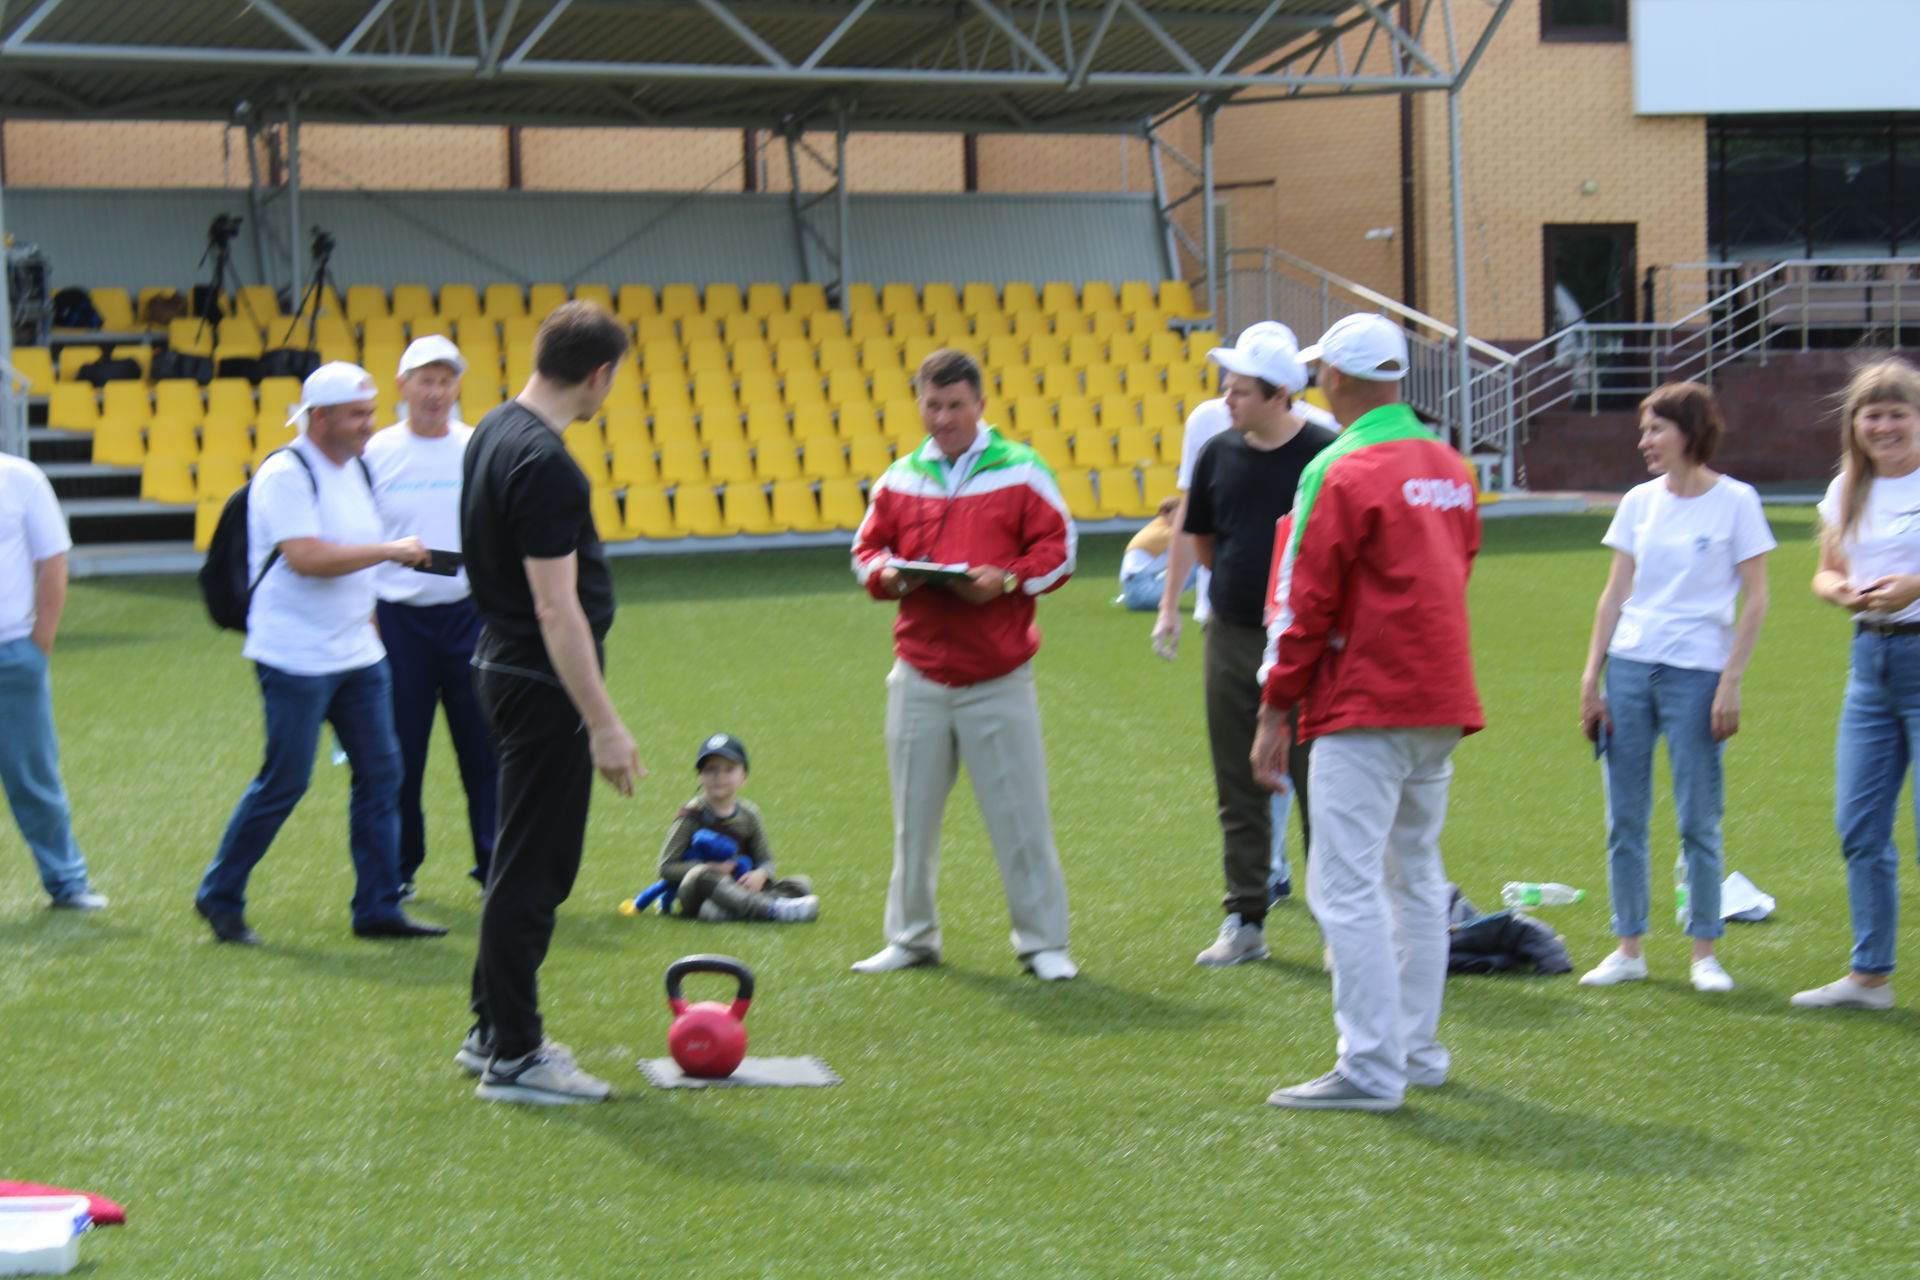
(64, 931)
(1489, 1124)
(660, 1130)
(426, 962)
(1083, 1007)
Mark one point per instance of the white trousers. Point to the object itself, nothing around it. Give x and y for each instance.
(1378, 889)
(994, 728)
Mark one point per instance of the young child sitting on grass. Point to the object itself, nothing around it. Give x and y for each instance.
(719, 822)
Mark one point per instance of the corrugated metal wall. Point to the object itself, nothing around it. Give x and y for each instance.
(136, 238)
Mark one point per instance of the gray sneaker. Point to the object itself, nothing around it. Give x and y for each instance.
(545, 1077)
(1236, 944)
(1845, 994)
(796, 910)
(1331, 1092)
(82, 900)
(474, 1052)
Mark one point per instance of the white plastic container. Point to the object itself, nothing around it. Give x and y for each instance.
(40, 1235)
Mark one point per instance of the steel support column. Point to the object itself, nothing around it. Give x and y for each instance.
(1207, 112)
(296, 269)
(844, 205)
(13, 403)
(1463, 368)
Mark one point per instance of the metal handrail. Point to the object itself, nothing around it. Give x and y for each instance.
(1406, 314)
(13, 410)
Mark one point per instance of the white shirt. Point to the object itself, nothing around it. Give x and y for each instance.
(31, 530)
(416, 485)
(1686, 554)
(1887, 539)
(310, 626)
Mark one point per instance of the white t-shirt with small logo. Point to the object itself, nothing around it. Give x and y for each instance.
(1887, 539)
(31, 530)
(1686, 554)
(310, 626)
(416, 485)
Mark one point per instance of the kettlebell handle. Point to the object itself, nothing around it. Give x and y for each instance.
(710, 964)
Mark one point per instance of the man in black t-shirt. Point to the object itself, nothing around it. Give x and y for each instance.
(1243, 483)
(539, 577)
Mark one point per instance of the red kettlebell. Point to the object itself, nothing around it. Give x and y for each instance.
(708, 1039)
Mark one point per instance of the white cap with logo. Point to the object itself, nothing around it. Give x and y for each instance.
(429, 349)
(1268, 351)
(1366, 346)
(335, 382)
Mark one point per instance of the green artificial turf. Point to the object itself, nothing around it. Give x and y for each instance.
(293, 1110)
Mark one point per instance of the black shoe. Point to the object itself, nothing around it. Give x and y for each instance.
(227, 926)
(1278, 890)
(401, 926)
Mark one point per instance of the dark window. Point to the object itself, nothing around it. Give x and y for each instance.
(1810, 186)
(1583, 19)
(1589, 273)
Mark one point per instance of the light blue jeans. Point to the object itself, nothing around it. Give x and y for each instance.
(30, 768)
(1878, 741)
(1142, 591)
(1647, 701)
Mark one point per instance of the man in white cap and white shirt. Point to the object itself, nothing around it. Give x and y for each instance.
(1369, 647)
(428, 621)
(1208, 419)
(313, 539)
(1243, 484)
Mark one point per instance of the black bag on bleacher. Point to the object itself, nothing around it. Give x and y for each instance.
(73, 309)
(289, 362)
(107, 369)
(178, 364)
(240, 367)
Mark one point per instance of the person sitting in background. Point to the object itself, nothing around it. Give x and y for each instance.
(714, 835)
(1143, 569)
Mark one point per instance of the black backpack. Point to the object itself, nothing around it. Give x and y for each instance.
(73, 309)
(224, 583)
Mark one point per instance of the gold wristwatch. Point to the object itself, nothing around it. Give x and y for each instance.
(1008, 583)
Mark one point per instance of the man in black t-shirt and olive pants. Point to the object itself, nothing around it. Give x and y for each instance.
(540, 579)
(1243, 483)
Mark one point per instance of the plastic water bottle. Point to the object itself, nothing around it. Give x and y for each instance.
(1518, 893)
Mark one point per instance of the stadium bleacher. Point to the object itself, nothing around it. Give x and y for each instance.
(744, 411)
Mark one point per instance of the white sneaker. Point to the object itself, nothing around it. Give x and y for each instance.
(1709, 976)
(1052, 966)
(82, 900)
(1237, 943)
(1845, 994)
(1616, 968)
(546, 1077)
(796, 910)
(891, 957)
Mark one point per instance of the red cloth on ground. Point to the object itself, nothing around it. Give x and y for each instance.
(105, 1212)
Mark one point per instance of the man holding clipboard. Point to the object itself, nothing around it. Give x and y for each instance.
(965, 533)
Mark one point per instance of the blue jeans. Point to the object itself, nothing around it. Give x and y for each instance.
(358, 705)
(1878, 741)
(30, 768)
(1142, 592)
(1645, 702)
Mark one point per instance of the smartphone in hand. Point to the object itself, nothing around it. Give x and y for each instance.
(444, 563)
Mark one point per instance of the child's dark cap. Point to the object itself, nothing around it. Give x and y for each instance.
(721, 744)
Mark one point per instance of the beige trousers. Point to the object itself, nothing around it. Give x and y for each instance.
(994, 728)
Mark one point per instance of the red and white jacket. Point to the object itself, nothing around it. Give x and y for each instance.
(1369, 628)
(1004, 509)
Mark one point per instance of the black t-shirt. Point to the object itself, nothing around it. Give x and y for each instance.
(523, 496)
(1238, 495)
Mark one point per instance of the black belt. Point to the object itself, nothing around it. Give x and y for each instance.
(1866, 626)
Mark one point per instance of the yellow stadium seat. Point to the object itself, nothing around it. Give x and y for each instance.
(1019, 295)
(1104, 380)
(1160, 411)
(856, 418)
(138, 352)
(801, 391)
(891, 384)
(845, 385)
(1028, 323)
(822, 325)
(593, 463)
(1120, 490)
(868, 455)
(647, 513)
(206, 515)
(227, 436)
(681, 462)
(499, 301)
(1076, 487)
(1067, 323)
(1018, 380)
(723, 299)
(1117, 411)
(259, 303)
(126, 402)
(1199, 342)
(1177, 299)
(1315, 397)
(178, 399)
(1058, 380)
(277, 397)
(364, 301)
(148, 294)
(116, 309)
(412, 300)
(822, 457)
(187, 335)
(673, 420)
(597, 294)
(784, 324)
(842, 505)
(743, 508)
(991, 324)
(73, 406)
(543, 299)
(1074, 414)
(1137, 447)
(457, 300)
(1057, 296)
(624, 424)
(900, 422)
(1053, 448)
(1185, 382)
(268, 438)
(906, 324)
(939, 295)
(978, 298)
(765, 299)
(383, 331)
(608, 520)
(729, 461)
(657, 328)
(118, 443)
(1105, 325)
(794, 507)
(1097, 295)
(172, 438)
(766, 420)
(1137, 296)
(479, 399)
(1158, 482)
(35, 364)
(636, 301)
(776, 458)
(696, 326)
(218, 475)
(1045, 349)
(709, 356)
(1171, 440)
(633, 464)
(696, 511)
(950, 329)
(806, 298)
(1031, 414)
(1142, 380)
(864, 325)
(73, 359)
(1084, 350)
(679, 300)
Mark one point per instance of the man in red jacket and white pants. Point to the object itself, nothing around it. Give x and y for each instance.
(986, 509)
(1370, 641)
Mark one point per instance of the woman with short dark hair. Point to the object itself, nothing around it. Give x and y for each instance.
(1687, 545)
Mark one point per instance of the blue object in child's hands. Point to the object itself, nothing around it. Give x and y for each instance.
(707, 846)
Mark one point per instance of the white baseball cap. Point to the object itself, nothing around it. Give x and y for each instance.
(335, 382)
(1366, 346)
(431, 349)
(1268, 351)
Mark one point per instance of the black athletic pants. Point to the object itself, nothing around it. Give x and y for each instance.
(546, 780)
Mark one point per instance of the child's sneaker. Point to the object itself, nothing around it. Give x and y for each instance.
(795, 910)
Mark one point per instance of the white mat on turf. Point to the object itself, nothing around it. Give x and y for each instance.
(665, 1073)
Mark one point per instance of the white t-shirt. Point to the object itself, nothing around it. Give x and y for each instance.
(31, 530)
(310, 626)
(1887, 539)
(416, 485)
(1686, 554)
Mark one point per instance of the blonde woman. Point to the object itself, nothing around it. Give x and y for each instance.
(1687, 545)
(1870, 566)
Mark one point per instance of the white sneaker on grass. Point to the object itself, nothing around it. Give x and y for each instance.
(1615, 969)
(1331, 1092)
(891, 957)
(1707, 975)
(1845, 994)
(1053, 965)
(473, 1053)
(80, 900)
(1236, 944)
(546, 1077)
(796, 910)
